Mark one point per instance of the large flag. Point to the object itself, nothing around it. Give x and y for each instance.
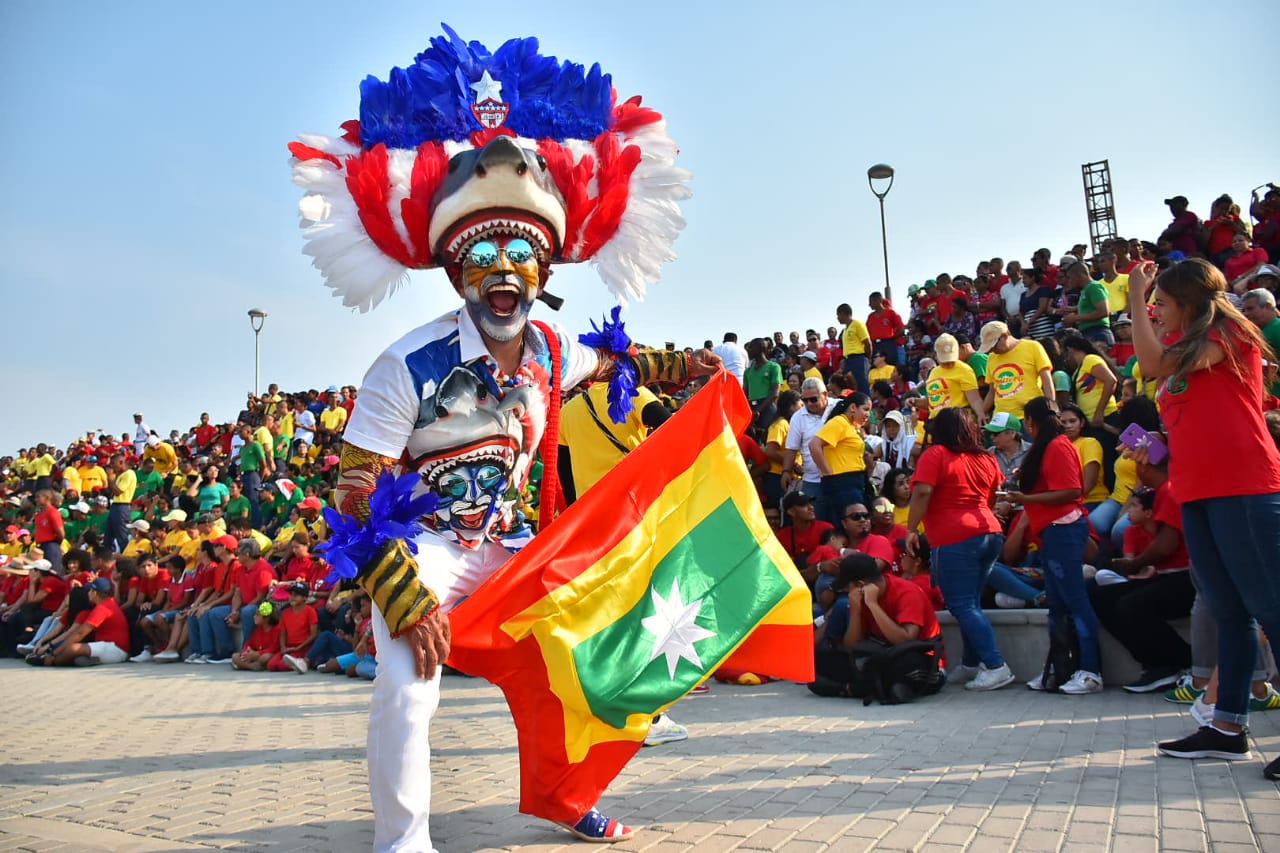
(664, 571)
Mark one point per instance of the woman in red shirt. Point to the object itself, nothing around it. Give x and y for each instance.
(1211, 361)
(952, 493)
(1051, 492)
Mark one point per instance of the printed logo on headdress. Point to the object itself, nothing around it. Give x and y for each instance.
(488, 109)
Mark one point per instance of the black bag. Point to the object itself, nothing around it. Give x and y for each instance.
(877, 671)
(1064, 653)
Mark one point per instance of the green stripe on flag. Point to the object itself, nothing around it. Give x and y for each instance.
(704, 597)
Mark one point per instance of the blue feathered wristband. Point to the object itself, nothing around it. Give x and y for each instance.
(394, 513)
(613, 338)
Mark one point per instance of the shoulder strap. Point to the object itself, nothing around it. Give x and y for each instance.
(550, 500)
(595, 416)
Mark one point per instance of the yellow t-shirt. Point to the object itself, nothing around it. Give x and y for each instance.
(901, 514)
(875, 374)
(137, 547)
(264, 541)
(1091, 451)
(12, 549)
(778, 431)
(92, 477)
(127, 483)
(947, 385)
(175, 539)
(286, 425)
(263, 436)
(1126, 480)
(1149, 389)
(1089, 389)
(853, 338)
(188, 550)
(43, 465)
(1117, 293)
(165, 456)
(71, 476)
(333, 418)
(591, 453)
(844, 446)
(1015, 375)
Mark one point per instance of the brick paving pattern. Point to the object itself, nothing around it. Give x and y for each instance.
(177, 757)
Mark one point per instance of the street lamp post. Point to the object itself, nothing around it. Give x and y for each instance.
(882, 172)
(256, 318)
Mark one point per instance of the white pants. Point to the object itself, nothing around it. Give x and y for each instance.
(108, 653)
(402, 706)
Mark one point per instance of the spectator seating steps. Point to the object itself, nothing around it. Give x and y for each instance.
(1023, 638)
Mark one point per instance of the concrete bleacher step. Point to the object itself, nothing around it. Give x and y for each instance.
(1023, 637)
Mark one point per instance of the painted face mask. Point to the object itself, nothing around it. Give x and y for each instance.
(499, 278)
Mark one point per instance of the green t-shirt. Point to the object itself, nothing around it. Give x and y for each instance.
(98, 520)
(211, 495)
(760, 382)
(280, 447)
(153, 482)
(237, 508)
(1094, 294)
(978, 361)
(252, 457)
(1271, 332)
(74, 528)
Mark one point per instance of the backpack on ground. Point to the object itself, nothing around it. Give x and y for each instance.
(1064, 653)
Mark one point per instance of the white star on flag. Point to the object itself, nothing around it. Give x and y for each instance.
(487, 89)
(675, 628)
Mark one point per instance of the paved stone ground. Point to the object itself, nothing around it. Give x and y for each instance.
(159, 758)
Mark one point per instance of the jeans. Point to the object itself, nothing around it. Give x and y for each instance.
(118, 526)
(1063, 550)
(246, 619)
(960, 571)
(1234, 544)
(328, 645)
(772, 488)
(251, 481)
(857, 365)
(838, 491)
(1103, 517)
(1006, 580)
(1137, 613)
(215, 636)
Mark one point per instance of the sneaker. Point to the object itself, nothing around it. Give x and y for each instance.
(991, 679)
(962, 674)
(36, 660)
(1202, 711)
(1184, 693)
(1208, 742)
(1036, 683)
(195, 659)
(297, 664)
(24, 649)
(665, 730)
(1083, 682)
(598, 828)
(144, 657)
(1010, 602)
(701, 690)
(1152, 680)
(218, 661)
(167, 656)
(1270, 702)
(1272, 770)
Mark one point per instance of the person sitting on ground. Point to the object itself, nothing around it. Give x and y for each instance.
(879, 605)
(102, 637)
(262, 643)
(299, 626)
(178, 594)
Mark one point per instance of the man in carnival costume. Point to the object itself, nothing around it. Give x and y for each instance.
(492, 166)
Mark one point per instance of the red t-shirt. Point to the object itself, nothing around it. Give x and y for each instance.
(1221, 232)
(964, 484)
(365, 629)
(876, 546)
(1238, 265)
(905, 603)
(884, 324)
(149, 587)
(924, 580)
(801, 545)
(1216, 408)
(205, 434)
(109, 624)
(48, 525)
(264, 639)
(255, 580)
(296, 625)
(1060, 469)
(299, 569)
(55, 589)
(178, 588)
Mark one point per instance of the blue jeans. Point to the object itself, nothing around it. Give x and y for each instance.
(1063, 549)
(327, 645)
(118, 526)
(251, 482)
(1103, 517)
(1234, 543)
(960, 571)
(857, 365)
(1006, 580)
(246, 619)
(215, 636)
(838, 491)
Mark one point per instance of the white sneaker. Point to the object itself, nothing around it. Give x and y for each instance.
(297, 664)
(666, 730)
(218, 661)
(991, 679)
(167, 656)
(144, 657)
(1083, 682)
(1037, 683)
(962, 674)
(195, 659)
(1010, 602)
(1202, 711)
(24, 649)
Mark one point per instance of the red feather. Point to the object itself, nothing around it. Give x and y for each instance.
(306, 152)
(352, 128)
(370, 188)
(630, 116)
(428, 172)
(481, 138)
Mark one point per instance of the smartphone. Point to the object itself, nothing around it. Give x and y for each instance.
(1135, 437)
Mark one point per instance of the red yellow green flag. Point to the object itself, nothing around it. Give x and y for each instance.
(661, 573)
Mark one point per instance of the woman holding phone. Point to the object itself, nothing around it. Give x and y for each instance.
(1209, 358)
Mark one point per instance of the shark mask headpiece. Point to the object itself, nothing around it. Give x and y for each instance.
(465, 146)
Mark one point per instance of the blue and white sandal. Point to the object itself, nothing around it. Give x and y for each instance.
(599, 829)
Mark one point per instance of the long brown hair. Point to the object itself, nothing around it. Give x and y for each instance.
(1201, 290)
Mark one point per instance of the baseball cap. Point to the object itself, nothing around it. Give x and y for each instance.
(1268, 269)
(100, 500)
(174, 515)
(12, 528)
(312, 502)
(946, 348)
(991, 334)
(809, 354)
(298, 588)
(41, 566)
(153, 441)
(1122, 320)
(329, 462)
(1003, 422)
(100, 585)
(228, 541)
(1177, 199)
(141, 524)
(930, 283)
(795, 499)
(913, 290)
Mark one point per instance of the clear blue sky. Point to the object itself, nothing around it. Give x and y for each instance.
(149, 204)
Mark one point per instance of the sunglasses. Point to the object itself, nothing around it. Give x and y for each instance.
(858, 516)
(485, 253)
(811, 399)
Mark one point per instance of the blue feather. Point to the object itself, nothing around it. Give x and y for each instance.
(611, 336)
(394, 513)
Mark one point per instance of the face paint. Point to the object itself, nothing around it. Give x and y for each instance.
(499, 279)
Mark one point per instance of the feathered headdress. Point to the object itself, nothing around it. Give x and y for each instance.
(598, 180)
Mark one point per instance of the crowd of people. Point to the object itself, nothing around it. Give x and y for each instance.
(1020, 437)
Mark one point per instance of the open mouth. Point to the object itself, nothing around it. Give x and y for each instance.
(503, 299)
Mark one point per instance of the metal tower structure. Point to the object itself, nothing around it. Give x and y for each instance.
(1099, 203)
